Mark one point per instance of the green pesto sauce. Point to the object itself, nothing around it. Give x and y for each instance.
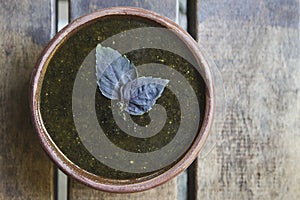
(56, 97)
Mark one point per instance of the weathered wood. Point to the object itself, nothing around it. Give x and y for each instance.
(25, 170)
(166, 7)
(167, 191)
(255, 153)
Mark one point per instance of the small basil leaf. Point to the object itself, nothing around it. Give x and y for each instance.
(141, 94)
(112, 70)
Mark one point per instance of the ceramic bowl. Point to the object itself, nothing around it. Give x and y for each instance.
(93, 140)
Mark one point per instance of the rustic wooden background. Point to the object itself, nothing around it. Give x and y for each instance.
(256, 46)
(253, 151)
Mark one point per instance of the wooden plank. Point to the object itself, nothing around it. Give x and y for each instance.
(167, 7)
(167, 191)
(255, 153)
(25, 170)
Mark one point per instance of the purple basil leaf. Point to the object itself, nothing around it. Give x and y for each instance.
(141, 94)
(112, 70)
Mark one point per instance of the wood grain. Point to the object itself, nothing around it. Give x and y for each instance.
(255, 152)
(166, 7)
(167, 191)
(25, 170)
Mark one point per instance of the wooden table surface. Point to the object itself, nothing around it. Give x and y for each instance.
(253, 151)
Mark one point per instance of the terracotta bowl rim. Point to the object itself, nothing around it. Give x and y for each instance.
(97, 182)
